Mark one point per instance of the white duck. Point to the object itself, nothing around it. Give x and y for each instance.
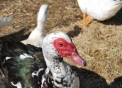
(27, 67)
(37, 35)
(98, 9)
(5, 21)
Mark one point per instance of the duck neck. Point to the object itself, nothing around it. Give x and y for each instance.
(62, 74)
(40, 25)
(57, 66)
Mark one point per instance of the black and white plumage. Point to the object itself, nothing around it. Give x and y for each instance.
(18, 62)
(36, 36)
(26, 66)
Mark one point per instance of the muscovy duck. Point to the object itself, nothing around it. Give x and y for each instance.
(36, 36)
(98, 9)
(27, 66)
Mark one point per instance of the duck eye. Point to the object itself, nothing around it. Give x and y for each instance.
(60, 44)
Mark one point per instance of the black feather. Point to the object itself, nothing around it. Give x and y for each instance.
(20, 70)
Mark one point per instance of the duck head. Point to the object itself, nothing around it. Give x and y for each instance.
(57, 45)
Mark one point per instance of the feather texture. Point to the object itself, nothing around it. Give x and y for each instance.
(25, 66)
(100, 9)
(18, 62)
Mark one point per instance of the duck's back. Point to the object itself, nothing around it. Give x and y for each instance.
(22, 64)
(100, 9)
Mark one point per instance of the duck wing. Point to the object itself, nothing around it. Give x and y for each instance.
(20, 64)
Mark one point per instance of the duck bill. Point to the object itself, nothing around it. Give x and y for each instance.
(75, 57)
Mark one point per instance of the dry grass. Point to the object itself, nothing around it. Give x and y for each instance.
(100, 44)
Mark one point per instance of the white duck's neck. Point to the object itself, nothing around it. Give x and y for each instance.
(40, 26)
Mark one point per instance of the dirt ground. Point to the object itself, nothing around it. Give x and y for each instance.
(100, 43)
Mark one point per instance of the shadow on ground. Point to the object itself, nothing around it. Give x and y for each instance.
(74, 32)
(90, 79)
(116, 20)
(17, 36)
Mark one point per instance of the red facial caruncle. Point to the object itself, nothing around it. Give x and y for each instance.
(66, 49)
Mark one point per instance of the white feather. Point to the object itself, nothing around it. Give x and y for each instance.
(23, 56)
(36, 73)
(100, 9)
(18, 85)
(37, 35)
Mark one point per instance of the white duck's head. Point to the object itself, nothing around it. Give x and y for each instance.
(57, 45)
(43, 13)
